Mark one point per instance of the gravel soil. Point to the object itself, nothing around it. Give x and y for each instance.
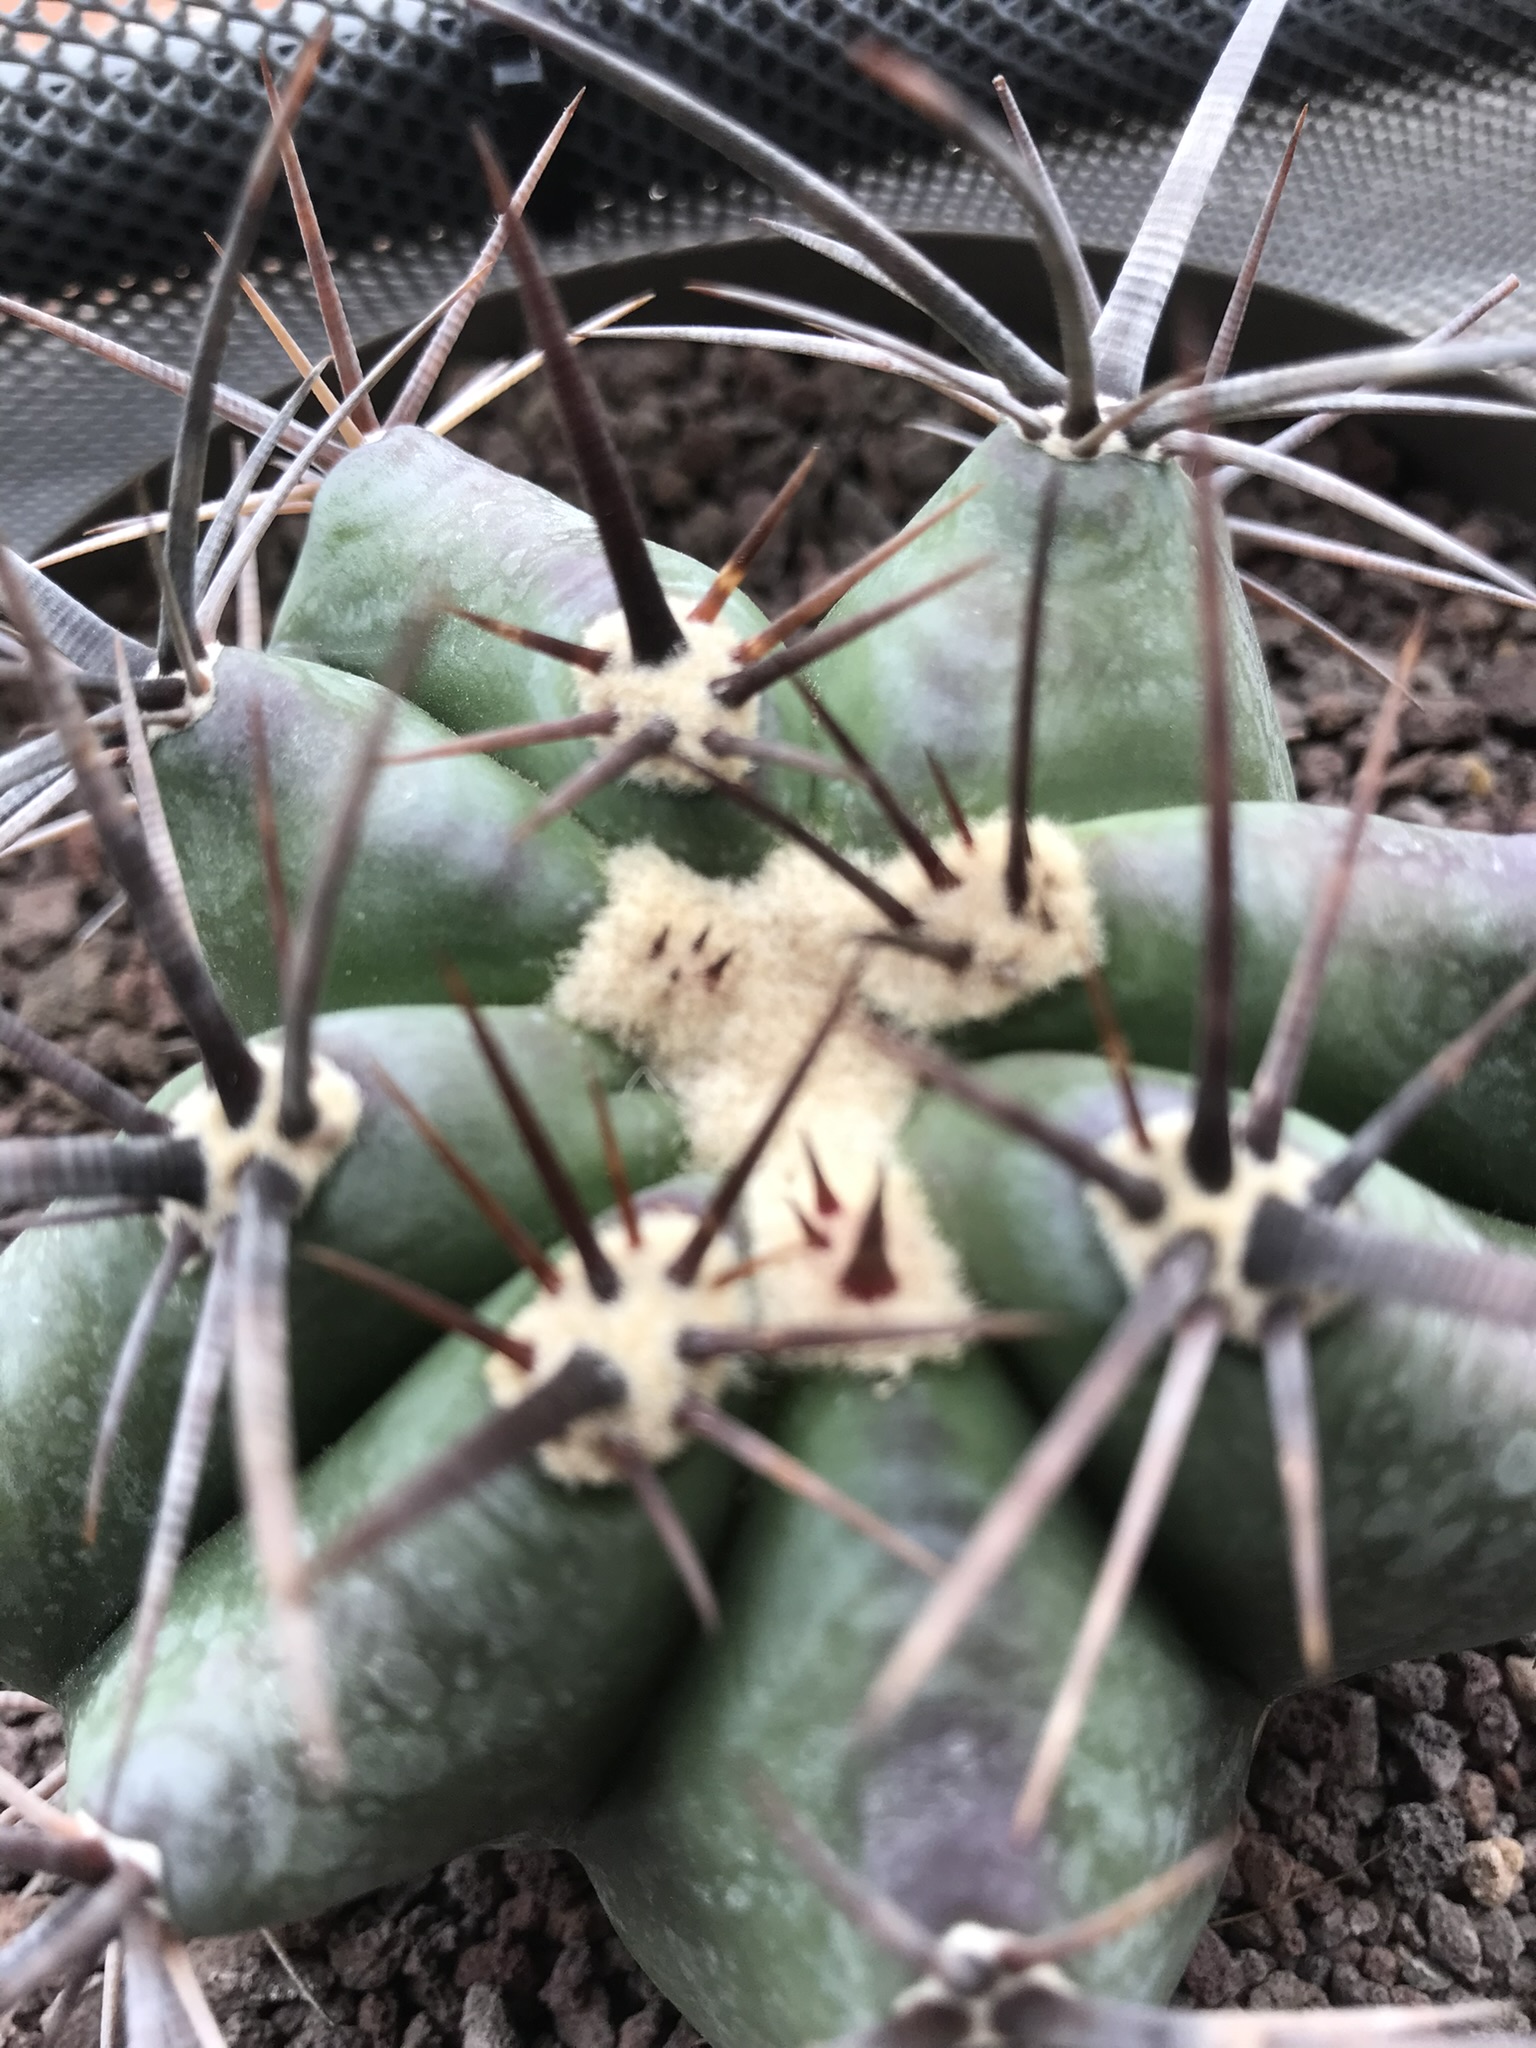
(1391, 1820)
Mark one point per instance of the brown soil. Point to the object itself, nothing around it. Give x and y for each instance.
(1367, 1872)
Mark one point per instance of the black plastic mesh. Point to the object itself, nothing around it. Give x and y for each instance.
(1073, 64)
(125, 126)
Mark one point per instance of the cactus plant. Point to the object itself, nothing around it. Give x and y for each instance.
(458, 1602)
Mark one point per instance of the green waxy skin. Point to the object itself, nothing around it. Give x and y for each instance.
(1427, 1421)
(486, 1665)
(66, 1298)
(1437, 926)
(435, 869)
(410, 520)
(1119, 717)
(720, 1914)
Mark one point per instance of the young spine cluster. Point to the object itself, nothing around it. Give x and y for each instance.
(929, 1738)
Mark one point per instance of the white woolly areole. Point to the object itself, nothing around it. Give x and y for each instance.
(803, 1283)
(668, 966)
(637, 1331)
(1226, 1219)
(1064, 448)
(969, 1981)
(970, 1947)
(677, 689)
(718, 984)
(226, 1153)
(124, 1849)
(194, 706)
(1054, 939)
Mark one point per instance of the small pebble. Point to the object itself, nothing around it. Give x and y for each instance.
(1452, 1937)
(1443, 722)
(1281, 1785)
(1508, 693)
(1491, 1870)
(1479, 1802)
(1416, 1974)
(1349, 1985)
(1498, 1937)
(485, 2023)
(1435, 1748)
(1286, 1992)
(1267, 1870)
(1520, 1677)
(1423, 1847)
(1319, 770)
(1212, 1976)
(1496, 1728)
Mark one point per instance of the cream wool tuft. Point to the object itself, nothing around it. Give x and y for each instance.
(717, 985)
(637, 1331)
(226, 1153)
(677, 689)
(972, 1955)
(806, 1289)
(1055, 939)
(1225, 1218)
(1064, 448)
(195, 704)
(667, 967)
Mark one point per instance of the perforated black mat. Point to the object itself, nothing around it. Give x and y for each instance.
(125, 125)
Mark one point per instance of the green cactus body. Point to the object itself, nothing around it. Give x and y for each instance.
(411, 520)
(1117, 723)
(722, 1916)
(66, 1298)
(488, 1666)
(481, 1553)
(1427, 1420)
(437, 869)
(1460, 900)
